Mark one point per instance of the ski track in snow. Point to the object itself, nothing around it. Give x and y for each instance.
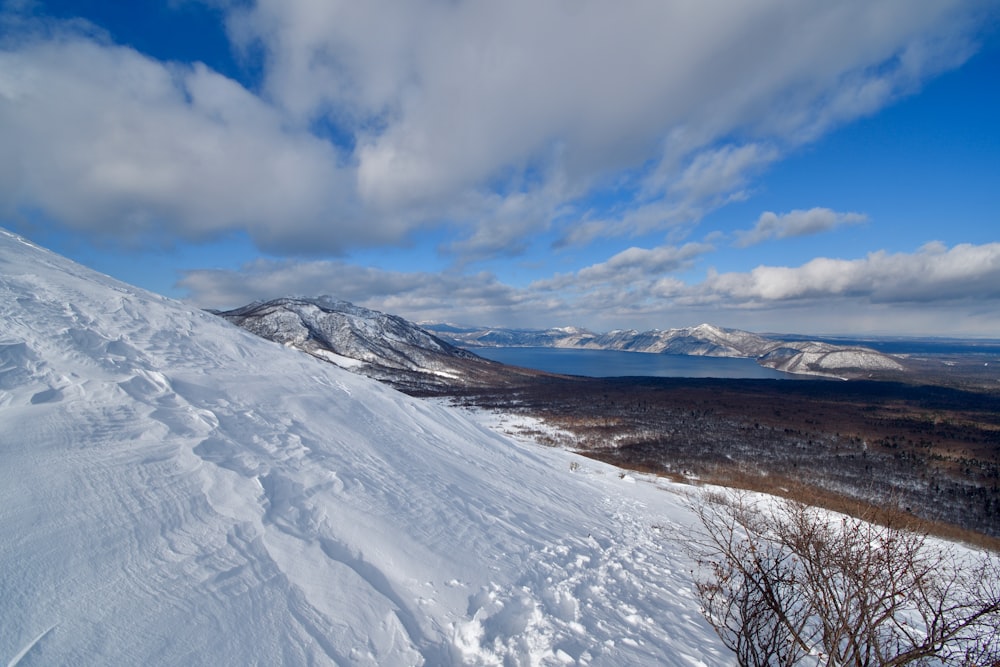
(180, 492)
(16, 660)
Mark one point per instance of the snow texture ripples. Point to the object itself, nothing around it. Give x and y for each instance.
(177, 491)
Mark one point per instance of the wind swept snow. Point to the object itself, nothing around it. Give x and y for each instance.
(179, 491)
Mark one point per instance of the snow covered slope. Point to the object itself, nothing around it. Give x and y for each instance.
(177, 491)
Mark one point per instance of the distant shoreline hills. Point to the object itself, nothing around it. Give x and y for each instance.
(792, 355)
(388, 346)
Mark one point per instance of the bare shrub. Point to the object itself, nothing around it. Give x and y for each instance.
(784, 583)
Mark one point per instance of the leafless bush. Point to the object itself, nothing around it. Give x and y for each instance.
(784, 583)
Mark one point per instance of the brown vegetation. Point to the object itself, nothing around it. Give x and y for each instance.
(936, 449)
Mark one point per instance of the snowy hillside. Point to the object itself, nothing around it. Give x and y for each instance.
(177, 491)
(380, 346)
(793, 356)
(354, 334)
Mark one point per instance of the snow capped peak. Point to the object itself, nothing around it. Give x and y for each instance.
(707, 330)
(570, 331)
(179, 491)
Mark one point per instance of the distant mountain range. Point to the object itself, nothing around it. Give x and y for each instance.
(411, 357)
(789, 355)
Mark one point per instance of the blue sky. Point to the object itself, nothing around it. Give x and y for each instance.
(806, 166)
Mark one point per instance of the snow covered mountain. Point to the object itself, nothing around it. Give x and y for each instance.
(384, 347)
(178, 491)
(323, 325)
(793, 356)
(394, 350)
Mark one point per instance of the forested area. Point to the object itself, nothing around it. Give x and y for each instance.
(934, 450)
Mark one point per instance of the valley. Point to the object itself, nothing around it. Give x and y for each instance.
(917, 430)
(178, 491)
(171, 475)
(933, 450)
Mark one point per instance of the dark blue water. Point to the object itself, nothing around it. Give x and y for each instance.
(612, 363)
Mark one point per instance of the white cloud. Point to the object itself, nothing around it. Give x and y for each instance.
(505, 223)
(934, 273)
(499, 120)
(106, 140)
(690, 100)
(664, 259)
(419, 296)
(627, 269)
(617, 285)
(796, 223)
(938, 290)
(715, 172)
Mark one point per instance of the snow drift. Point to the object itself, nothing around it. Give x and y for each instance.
(178, 491)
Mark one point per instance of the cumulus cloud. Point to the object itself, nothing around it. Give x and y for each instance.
(796, 223)
(506, 223)
(636, 286)
(721, 171)
(616, 286)
(104, 139)
(935, 273)
(627, 269)
(451, 113)
(419, 296)
(485, 90)
(677, 200)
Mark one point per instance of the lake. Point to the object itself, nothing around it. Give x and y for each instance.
(612, 363)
